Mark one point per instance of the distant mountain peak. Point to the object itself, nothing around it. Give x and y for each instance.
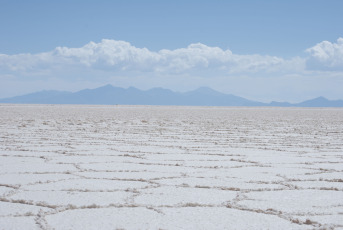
(206, 91)
(321, 98)
(108, 86)
(321, 102)
(318, 99)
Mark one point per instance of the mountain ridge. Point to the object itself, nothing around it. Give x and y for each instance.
(111, 95)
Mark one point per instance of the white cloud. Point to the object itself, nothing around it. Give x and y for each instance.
(121, 56)
(326, 56)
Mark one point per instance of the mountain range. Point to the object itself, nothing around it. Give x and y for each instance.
(110, 95)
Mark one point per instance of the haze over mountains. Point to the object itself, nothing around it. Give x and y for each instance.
(110, 95)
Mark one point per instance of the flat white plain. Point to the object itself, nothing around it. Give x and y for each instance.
(151, 167)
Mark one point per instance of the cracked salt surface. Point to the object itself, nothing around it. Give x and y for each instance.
(151, 167)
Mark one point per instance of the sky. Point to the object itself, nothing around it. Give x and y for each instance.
(263, 50)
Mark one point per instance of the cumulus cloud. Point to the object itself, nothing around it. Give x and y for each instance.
(113, 53)
(121, 56)
(326, 56)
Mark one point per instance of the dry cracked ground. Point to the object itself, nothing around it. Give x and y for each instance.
(151, 167)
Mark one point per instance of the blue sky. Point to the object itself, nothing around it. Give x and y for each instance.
(263, 50)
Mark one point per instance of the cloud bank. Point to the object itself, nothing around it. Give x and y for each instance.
(121, 56)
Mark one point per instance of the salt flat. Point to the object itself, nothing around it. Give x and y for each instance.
(155, 167)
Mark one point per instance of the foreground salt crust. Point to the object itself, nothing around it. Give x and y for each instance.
(151, 167)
